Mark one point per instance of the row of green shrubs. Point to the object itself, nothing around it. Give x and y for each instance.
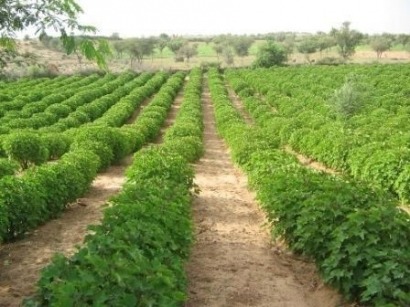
(59, 112)
(136, 256)
(15, 94)
(86, 113)
(371, 146)
(32, 148)
(356, 235)
(44, 191)
(56, 96)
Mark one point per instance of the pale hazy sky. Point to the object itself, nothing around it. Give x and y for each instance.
(152, 17)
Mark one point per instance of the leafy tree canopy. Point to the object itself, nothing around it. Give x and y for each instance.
(346, 39)
(43, 15)
(270, 54)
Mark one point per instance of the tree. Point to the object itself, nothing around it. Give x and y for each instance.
(218, 47)
(349, 99)
(289, 45)
(61, 15)
(162, 42)
(187, 51)
(119, 46)
(324, 42)
(346, 40)
(241, 45)
(270, 54)
(403, 39)
(307, 47)
(175, 44)
(380, 44)
(138, 48)
(228, 55)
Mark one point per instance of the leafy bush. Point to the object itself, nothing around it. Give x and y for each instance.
(103, 151)
(57, 144)
(349, 99)
(270, 55)
(8, 167)
(110, 137)
(26, 148)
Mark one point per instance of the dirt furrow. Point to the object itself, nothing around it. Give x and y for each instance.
(138, 110)
(238, 105)
(234, 262)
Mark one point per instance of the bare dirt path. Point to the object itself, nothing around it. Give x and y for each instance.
(139, 109)
(234, 262)
(238, 105)
(22, 261)
(172, 114)
(311, 163)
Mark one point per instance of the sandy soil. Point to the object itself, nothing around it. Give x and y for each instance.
(138, 110)
(311, 163)
(239, 105)
(234, 261)
(172, 114)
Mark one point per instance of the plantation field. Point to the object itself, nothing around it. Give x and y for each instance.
(265, 187)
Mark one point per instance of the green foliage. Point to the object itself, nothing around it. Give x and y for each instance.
(348, 100)
(8, 167)
(356, 234)
(307, 47)
(61, 15)
(136, 256)
(99, 148)
(380, 44)
(138, 48)
(26, 148)
(22, 205)
(188, 51)
(110, 137)
(241, 45)
(346, 40)
(270, 55)
(56, 144)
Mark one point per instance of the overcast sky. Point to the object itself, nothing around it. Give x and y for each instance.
(152, 17)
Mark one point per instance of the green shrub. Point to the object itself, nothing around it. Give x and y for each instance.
(56, 143)
(102, 150)
(8, 167)
(349, 99)
(26, 148)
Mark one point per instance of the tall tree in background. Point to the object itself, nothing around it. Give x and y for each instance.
(307, 47)
(380, 44)
(241, 45)
(188, 51)
(175, 44)
(42, 15)
(346, 40)
(270, 54)
(162, 42)
(140, 47)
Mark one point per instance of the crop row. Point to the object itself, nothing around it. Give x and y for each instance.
(36, 106)
(371, 146)
(136, 255)
(58, 112)
(355, 234)
(44, 191)
(23, 89)
(28, 148)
